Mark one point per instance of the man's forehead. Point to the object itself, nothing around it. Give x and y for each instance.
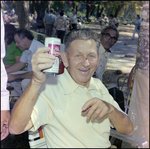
(80, 44)
(111, 31)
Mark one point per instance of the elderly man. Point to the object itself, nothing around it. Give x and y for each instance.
(108, 37)
(26, 42)
(64, 104)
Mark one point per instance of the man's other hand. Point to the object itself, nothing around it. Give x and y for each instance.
(5, 116)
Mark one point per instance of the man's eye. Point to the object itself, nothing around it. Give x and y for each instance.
(91, 55)
(77, 55)
(114, 38)
(107, 35)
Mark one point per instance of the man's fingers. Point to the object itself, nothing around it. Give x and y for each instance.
(88, 104)
(91, 111)
(96, 114)
(41, 67)
(4, 131)
(43, 50)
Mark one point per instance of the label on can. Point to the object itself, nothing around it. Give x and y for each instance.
(55, 50)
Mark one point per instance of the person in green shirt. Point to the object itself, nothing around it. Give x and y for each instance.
(13, 53)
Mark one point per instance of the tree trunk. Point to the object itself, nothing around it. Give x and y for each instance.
(97, 12)
(101, 11)
(22, 11)
(139, 105)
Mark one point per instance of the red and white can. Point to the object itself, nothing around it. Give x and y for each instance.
(54, 44)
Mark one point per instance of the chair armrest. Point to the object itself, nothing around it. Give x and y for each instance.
(134, 141)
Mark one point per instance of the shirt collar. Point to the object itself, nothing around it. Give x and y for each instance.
(72, 85)
(32, 45)
(102, 50)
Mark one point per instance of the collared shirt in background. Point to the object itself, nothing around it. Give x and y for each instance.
(58, 109)
(4, 92)
(102, 62)
(27, 54)
(49, 19)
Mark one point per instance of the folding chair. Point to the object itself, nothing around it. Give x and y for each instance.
(36, 139)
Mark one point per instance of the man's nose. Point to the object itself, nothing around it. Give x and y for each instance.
(86, 62)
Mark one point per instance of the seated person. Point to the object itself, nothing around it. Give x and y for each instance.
(13, 53)
(65, 104)
(79, 24)
(108, 38)
(26, 42)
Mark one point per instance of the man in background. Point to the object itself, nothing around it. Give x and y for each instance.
(49, 19)
(108, 37)
(73, 20)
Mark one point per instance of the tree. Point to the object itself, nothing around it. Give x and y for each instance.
(139, 105)
(22, 10)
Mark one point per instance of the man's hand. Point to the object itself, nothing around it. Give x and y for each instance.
(95, 109)
(5, 116)
(41, 60)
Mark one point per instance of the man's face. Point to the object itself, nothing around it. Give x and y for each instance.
(106, 41)
(83, 60)
(20, 43)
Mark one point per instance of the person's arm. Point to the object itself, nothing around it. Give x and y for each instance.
(120, 121)
(15, 67)
(97, 109)
(17, 58)
(27, 75)
(21, 113)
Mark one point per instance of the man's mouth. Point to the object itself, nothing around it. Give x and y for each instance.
(84, 70)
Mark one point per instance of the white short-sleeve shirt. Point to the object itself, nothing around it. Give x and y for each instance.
(27, 54)
(102, 62)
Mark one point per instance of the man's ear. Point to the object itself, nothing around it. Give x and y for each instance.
(100, 36)
(64, 58)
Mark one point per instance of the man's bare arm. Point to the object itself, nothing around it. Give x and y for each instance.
(21, 113)
(121, 122)
(15, 67)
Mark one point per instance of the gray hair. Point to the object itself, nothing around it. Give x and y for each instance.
(81, 34)
(113, 27)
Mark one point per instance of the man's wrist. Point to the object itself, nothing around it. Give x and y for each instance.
(35, 82)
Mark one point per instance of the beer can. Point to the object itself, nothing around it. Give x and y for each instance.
(54, 44)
